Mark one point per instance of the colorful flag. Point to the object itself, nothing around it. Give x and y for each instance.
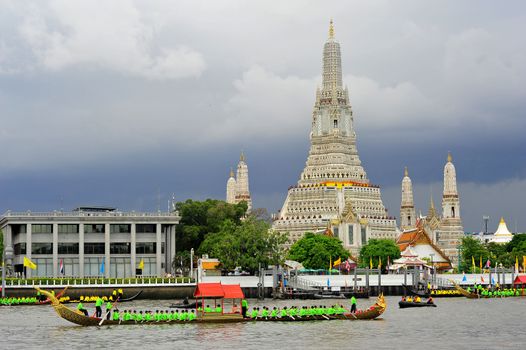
(464, 279)
(61, 266)
(337, 262)
(371, 262)
(141, 264)
(102, 269)
(480, 263)
(517, 265)
(473, 262)
(388, 262)
(29, 263)
(379, 263)
(488, 264)
(524, 263)
(482, 279)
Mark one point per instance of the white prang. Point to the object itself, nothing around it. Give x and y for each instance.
(333, 191)
(237, 188)
(407, 207)
(502, 235)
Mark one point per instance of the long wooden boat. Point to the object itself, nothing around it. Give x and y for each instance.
(469, 295)
(79, 318)
(408, 304)
(93, 299)
(41, 302)
(412, 291)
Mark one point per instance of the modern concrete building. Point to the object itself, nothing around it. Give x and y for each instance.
(91, 241)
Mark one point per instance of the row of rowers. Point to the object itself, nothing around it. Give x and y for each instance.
(293, 311)
(157, 316)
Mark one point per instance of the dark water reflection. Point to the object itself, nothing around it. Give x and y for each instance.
(455, 323)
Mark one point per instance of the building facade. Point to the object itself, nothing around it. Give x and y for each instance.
(90, 242)
(333, 190)
(237, 189)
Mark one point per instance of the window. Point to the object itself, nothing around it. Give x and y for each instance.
(336, 231)
(62, 228)
(41, 248)
(119, 248)
(94, 228)
(452, 212)
(68, 248)
(335, 124)
(20, 249)
(364, 236)
(351, 235)
(41, 228)
(120, 228)
(93, 248)
(145, 228)
(16, 229)
(145, 248)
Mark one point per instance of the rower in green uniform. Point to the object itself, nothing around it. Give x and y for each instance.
(265, 312)
(353, 304)
(283, 312)
(191, 315)
(81, 308)
(108, 309)
(244, 308)
(116, 315)
(98, 307)
(254, 313)
(274, 313)
(126, 316)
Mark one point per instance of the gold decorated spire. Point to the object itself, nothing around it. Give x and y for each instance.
(231, 172)
(502, 220)
(406, 173)
(449, 158)
(242, 156)
(331, 30)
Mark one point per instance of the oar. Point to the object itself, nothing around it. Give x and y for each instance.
(107, 312)
(292, 317)
(325, 317)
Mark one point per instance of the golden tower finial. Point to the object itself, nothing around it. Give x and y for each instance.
(331, 30)
(449, 158)
(231, 172)
(502, 220)
(242, 156)
(406, 173)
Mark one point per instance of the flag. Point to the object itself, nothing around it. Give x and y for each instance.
(337, 262)
(524, 263)
(481, 279)
(330, 264)
(473, 262)
(29, 263)
(379, 263)
(464, 279)
(371, 262)
(61, 266)
(488, 264)
(480, 263)
(141, 264)
(102, 267)
(517, 265)
(388, 262)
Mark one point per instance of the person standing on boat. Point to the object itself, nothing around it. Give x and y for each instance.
(244, 308)
(98, 307)
(353, 304)
(108, 309)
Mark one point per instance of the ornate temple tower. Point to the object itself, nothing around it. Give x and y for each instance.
(231, 187)
(333, 190)
(450, 232)
(242, 192)
(407, 207)
(237, 188)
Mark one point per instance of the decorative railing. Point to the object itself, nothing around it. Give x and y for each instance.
(86, 282)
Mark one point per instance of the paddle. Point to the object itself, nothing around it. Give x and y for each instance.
(325, 317)
(108, 312)
(292, 317)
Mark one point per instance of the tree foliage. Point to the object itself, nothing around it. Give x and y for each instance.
(246, 245)
(199, 218)
(376, 250)
(505, 254)
(316, 251)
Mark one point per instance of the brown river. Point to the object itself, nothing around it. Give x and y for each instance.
(457, 323)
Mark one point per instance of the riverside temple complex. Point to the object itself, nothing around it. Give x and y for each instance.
(333, 191)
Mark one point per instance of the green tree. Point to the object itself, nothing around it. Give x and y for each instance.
(316, 251)
(199, 218)
(472, 249)
(376, 250)
(246, 245)
(518, 241)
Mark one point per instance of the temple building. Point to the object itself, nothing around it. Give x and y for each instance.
(407, 207)
(445, 231)
(502, 235)
(237, 187)
(421, 245)
(333, 190)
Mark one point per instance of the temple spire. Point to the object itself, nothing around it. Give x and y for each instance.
(331, 30)
(449, 157)
(242, 156)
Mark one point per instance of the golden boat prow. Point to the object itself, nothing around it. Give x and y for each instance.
(79, 318)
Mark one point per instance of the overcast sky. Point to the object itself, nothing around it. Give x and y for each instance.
(113, 102)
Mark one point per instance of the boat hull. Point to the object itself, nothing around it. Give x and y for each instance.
(409, 304)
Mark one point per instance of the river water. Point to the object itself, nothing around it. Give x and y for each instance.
(457, 323)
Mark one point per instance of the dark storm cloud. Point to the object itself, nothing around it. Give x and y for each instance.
(109, 103)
